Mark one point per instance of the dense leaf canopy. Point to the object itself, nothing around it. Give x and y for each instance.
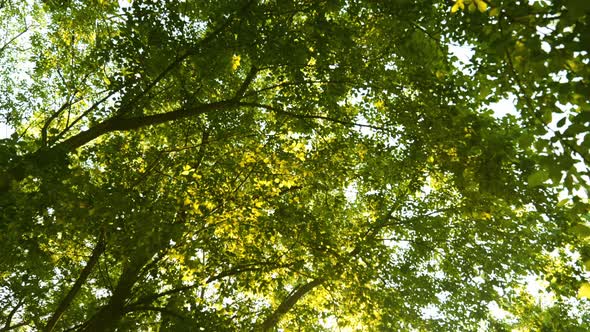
(294, 165)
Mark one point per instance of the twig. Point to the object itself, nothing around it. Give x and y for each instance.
(311, 116)
(13, 39)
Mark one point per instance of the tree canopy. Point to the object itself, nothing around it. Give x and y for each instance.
(293, 165)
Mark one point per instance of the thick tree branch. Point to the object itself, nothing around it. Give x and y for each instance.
(272, 320)
(65, 303)
(127, 124)
(119, 124)
(11, 315)
(109, 316)
(249, 78)
(18, 172)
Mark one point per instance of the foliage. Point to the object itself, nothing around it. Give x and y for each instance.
(309, 165)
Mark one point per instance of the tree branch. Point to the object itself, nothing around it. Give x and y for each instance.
(287, 83)
(5, 46)
(272, 320)
(310, 116)
(11, 315)
(158, 309)
(53, 116)
(249, 78)
(84, 114)
(233, 271)
(65, 303)
(126, 124)
(109, 316)
(155, 81)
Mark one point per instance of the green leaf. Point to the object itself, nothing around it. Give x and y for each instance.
(547, 116)
(537, 178)
(581, 230)
(525, 140)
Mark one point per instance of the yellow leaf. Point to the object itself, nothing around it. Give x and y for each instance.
(458, 4)
(255, 212)
(486, 215)
(573, 65)
(187, 201)
(196, 208)
(176, 256)
(481, 5)
(495, 11)
(472, 7)
(300, 156)
(186, 170)
(584, 291)
(187, 277)
(235, 62)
